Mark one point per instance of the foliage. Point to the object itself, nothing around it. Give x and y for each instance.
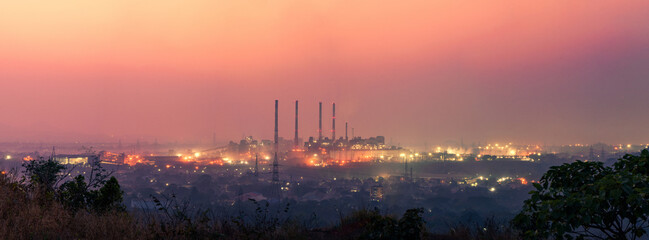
(589, 200)
(489, 230)
(43, 174)
(370, 224)
(24, 217)
(96, 194)
(75, 195)
(411, 225)
(109, 197)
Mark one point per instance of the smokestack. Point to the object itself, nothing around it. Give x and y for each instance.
(276, 137)
(296, 141)
(333, 125)
(346, 137)
(320, 124)
(275, 160)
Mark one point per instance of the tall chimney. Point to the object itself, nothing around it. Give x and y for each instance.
(276, 137)
(296, 141)
(346, 137)
(333, 125)
(320, 124)
(275, 160)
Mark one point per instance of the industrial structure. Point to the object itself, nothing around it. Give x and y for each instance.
(275, 180)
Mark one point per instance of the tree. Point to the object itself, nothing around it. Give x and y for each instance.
(411, 225)
(74, 194)
(43, 174)
(97, 193)
(589, 200)
(109, 197)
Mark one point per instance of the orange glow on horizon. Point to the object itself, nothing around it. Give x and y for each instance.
(121, 56)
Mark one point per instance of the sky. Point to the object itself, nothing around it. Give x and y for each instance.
(419, 72)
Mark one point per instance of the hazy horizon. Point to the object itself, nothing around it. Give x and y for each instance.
(553, 72)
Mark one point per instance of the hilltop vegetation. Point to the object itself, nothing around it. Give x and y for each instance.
(575, 200)
(47, 203)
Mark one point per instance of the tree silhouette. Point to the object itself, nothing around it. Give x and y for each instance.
(588, 200)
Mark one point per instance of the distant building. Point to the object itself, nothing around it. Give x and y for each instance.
(74, 159)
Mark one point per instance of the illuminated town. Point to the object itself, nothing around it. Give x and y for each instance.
(311, 119)
(353, 169)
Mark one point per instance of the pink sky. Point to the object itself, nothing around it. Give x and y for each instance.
(414, 71)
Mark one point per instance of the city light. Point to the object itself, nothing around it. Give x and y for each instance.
(523, 181)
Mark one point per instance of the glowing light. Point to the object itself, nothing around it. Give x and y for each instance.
(523, 181)
(8, 157)
(197, 154)
(402, 155)
(493, 189)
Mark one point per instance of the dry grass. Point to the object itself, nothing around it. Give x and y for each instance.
(27, 215)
